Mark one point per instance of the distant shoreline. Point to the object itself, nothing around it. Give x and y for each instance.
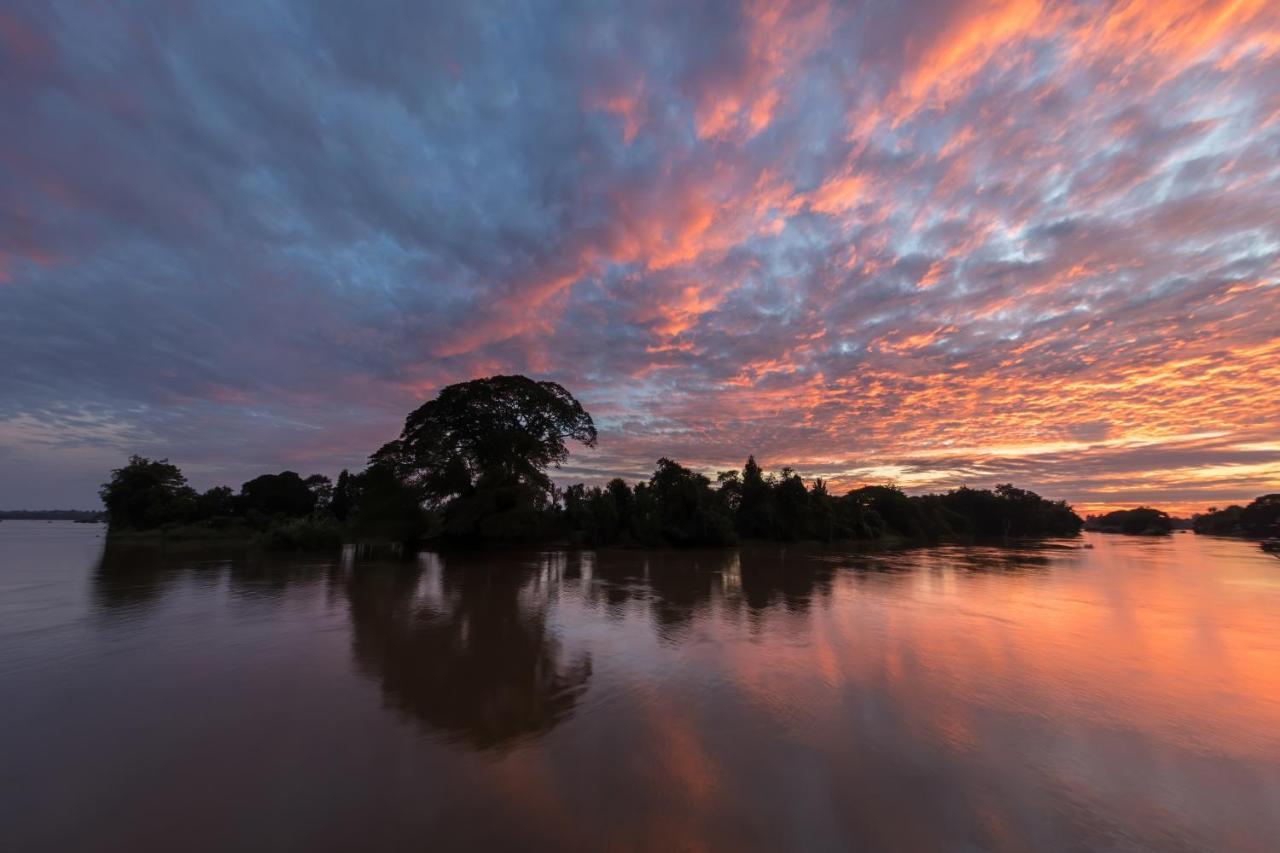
(53, 515)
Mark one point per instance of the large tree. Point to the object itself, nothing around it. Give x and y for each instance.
(147, 493)
(500, 431)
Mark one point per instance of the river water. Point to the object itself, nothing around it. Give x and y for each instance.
(1104, 693)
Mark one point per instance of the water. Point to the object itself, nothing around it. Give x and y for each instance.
(1114, 697)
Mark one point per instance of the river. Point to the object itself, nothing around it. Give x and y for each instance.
(1103, 693)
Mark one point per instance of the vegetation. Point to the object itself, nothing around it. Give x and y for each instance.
(477, 455)
(151, 497)
(86, 516)
(680, 507)
(1259, 518)
(1142, 520)
(471, 466)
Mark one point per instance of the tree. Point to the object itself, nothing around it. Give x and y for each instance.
(791, 502)
(147, 493)
(505, 429)
(321, 488)
(1136, 521)
(343, 496)
(729, 487)
(1220, 522)
(888, 509)
(217, 502)
(822, 521)
(755, 514)
(689, 512)
(1262, 516)
(285, 493)
(385, 507)
(624, 506)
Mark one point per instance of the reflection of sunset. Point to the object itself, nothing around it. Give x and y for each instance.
(1102, 692)
(744, 699)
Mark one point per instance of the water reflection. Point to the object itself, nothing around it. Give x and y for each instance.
(132, 579)
(457, 645)
(1038, 696)
(680, 588)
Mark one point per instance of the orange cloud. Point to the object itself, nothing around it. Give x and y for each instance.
(779, 36)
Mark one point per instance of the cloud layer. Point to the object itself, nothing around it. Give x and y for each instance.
(930, 242)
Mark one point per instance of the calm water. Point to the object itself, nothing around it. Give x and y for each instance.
(1123, 696)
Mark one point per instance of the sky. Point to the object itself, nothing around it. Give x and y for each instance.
(929, 243)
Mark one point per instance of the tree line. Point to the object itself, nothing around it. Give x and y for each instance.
(1143, 520)
(471, 466)
(52, 515)
(1260, 518)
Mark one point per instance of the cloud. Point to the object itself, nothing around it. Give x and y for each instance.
(937, 242)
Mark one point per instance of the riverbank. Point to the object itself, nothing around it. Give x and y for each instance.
(299, 534)
(321, 537)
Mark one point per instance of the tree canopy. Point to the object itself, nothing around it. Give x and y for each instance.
(1260, 518)
(503, 430)
(1140, 520)
(147, 493)
(285, 493)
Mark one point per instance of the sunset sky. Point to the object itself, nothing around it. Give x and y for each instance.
(932, 243)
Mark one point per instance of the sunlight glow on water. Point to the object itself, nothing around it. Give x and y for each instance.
(1102, 693)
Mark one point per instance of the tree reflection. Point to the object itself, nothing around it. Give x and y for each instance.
(790, 576)
(131, 578)
(679, 588)
(459, 648)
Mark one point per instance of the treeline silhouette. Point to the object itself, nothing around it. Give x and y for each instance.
(681, 507)
(1260, 518)
(1143, 520)
(471, 466)
(282, 510)
(52, 515)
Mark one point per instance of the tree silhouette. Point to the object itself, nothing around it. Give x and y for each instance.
(1262, 516)
(147, 493)
(479, 452)
(285, 494)
(688, 511)
(1134, 521)
(343, 496)
(755, 516)
(504, 429)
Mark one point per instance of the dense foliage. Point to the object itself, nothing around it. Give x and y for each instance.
(147, 493)
(283, 510)
(1259, 518)
(472, 466)
(1141, 520)
(477, 455)
(677, 506)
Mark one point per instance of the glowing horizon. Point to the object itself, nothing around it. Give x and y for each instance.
(950, 243)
